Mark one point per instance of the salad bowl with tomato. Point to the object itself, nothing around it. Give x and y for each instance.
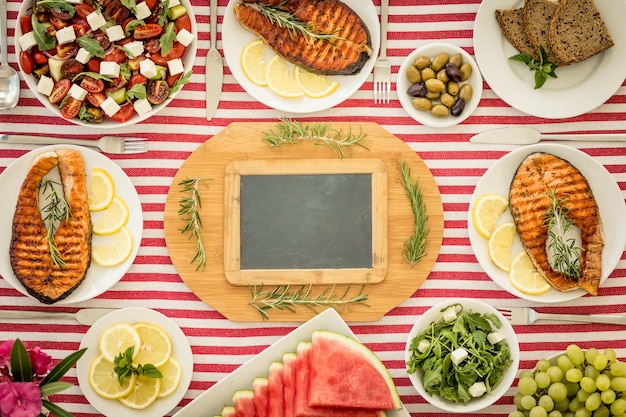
(106, 63)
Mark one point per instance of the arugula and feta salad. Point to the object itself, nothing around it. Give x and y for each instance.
(462, 355)
(106, 58)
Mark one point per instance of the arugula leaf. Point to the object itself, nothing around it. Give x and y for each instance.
(163, 17)
(178, 84)
(45, 41)
(130, 4)
(130, 26)
(167, 39)
(58, 5)
(137, 91)
(91, 45)
(91, 74)
(543, 69)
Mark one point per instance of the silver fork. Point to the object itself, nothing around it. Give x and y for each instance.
(382, 66)
(526, 315)
(107, 144)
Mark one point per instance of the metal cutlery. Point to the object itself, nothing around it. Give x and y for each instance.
(214, 68)
(526, 315)
(107, 144)
(87, 316)
(525, 135)
(382, 66)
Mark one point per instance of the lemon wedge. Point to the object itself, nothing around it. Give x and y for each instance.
(172, 373)
(156, 346)
(104, 380)
(253, 62)
(116, 339)
(101, 190)
(486, 210)
(114, 250)
(524, 276)
(280, 80)
(313, 85)
(113, 218)
(144, 393)
(499, 245)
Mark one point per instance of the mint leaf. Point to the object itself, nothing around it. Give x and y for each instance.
(543, 69)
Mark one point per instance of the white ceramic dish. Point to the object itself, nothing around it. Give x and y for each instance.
(31, 81)
(98, 279)
(235, 37)
(180, 350)
(431, 50)
(608, 196)
(211, 401)
(578, 89)
(475, 404)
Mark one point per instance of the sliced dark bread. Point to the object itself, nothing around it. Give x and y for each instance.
(537, 16)
(577, 31)
(512, 26)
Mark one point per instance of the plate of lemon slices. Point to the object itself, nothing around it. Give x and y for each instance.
(116, 217)
(141, 336)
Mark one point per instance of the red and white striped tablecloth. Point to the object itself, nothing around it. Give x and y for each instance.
(219, 346)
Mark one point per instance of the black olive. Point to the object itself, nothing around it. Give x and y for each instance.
(453, 72)
(157, 91)
(458, 107)
(416, 90)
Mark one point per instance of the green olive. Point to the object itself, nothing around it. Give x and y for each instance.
(439, 110)
(422, 62)
(452, 88)
(422, 103)
(466, 71)
(432, 96)
(427, 74)
(442, 75)
(466, 92)
(447, 100)
(457, 59)
(413, 75)
(439, 62)
(435, 86)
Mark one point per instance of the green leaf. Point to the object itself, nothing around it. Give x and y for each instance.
(523, 58)
(150, 371)
(178, 84)
(62, 367)
(130, 26)
(90, 45)
(540, 79)
(58, 6)
(130, 4)
(58, 411)
(45, 41)
(20, 363)
(167, 39)
(54, 387)
(137, 91)
(163, 18)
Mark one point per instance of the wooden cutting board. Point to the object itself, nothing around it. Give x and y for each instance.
(244, 142)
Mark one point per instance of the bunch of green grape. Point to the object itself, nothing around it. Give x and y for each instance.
(577, 384)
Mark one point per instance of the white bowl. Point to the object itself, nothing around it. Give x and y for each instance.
(431, 50)
(188, 59)
(474, 404)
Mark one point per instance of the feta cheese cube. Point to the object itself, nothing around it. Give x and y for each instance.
(185, 37)
(477, 389)
(175, 66)
(423, 345)
(110, 69)
(173, 3)
(27, 41)
(148, 68)
(135, 48)
(96, 20)
(142, 11)
(449, 315)
(109, 106)
(83, 56)
(458, 356)
(66, 35)
(115, 33)
(142, 106)
(45, 85)
(78, 92)
(496, 337)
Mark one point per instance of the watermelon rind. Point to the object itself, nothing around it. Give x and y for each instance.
(228, 411)
(362, 351)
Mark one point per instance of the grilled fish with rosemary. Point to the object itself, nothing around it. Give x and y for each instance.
(52, 263)
(541, 183)
(322, 36)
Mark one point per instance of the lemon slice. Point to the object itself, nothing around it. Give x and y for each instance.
(116, 339)
(145, 392)
(313, 85)
(115, 250)
(172, 374)
(280, 80)
(156, 346)
(113, 218)
(525, 277)
(101, 190)
(499, 245)
(104, 381)
(253, 62)
(486, 210)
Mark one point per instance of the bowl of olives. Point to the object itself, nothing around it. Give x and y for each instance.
(439, 84)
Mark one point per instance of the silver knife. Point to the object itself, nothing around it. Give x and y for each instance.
(86, 316)
(214, 68)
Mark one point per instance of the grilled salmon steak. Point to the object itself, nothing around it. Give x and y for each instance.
(541, 179)
(345, 53)
(30, 252)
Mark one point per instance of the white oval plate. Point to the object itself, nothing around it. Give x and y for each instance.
(578, 89)
(98, 278)
(431, 50)
(235, 37)
(607, 194)
(180, 350)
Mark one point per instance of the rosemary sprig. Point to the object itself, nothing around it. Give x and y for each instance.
(415, 246)
(55, 211)
(282, 298)
(565, 253)
(284, 19)
(291, 132)
(189, 211)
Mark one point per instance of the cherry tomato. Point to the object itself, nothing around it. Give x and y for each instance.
(57, 22)
(116, 12)
(151, 4)
(116, 83)
(152, 46)
(93, 65)
(26, 24)
(96, 99)
(178, 50)
(126, 112)
(60, 14)
(136, 79)
(157, 91)
(101, 38)
(38, 57)
(71, 68)
(81, 28)
(116, 55)
(26, 62)
(171, 79)
(133, 63)
(92, 85)
(60, 90)
(183, 22)
(70, 107)
(83, 10)
(149, 31)
(67, 50)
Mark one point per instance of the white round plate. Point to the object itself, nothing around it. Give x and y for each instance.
(607, 194)
(431, 50)
(31, 81)
(235, 37)
(180, 350)
(98, 278)
(578, 89)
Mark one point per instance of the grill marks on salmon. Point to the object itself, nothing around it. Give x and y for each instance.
(30, 255)
(529, 200)
(343, 56)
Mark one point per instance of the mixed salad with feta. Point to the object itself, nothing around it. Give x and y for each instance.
(112, 59)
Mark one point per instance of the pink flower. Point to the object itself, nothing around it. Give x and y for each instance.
(5, 353)
(40, 361)
(19, 399)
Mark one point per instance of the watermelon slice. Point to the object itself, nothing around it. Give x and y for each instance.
(243, 401)
(261, 394)
(346, 374)
(289, 383)
(275, 403)
(228, 411)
